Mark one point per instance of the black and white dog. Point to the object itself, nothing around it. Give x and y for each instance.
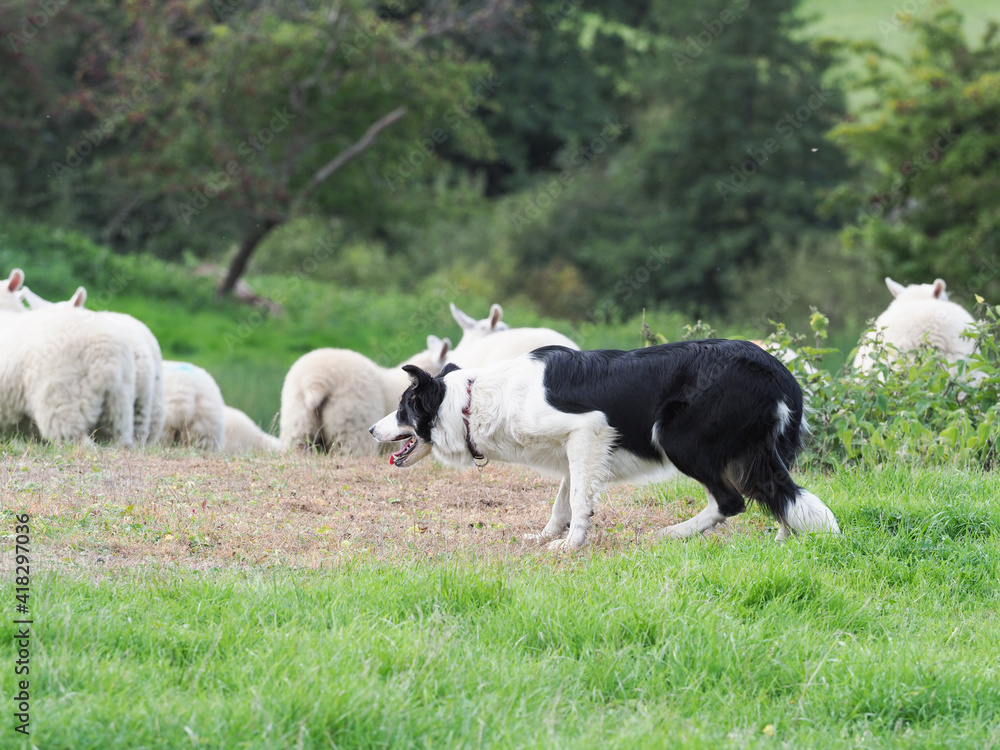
(725, 413)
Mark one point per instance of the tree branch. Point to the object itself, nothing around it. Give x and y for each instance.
(363, 143)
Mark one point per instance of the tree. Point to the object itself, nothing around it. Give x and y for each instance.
(925, 198)
(226, 120)
(725, 166)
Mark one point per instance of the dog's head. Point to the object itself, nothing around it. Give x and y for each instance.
(415, 417)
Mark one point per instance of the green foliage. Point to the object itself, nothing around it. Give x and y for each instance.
(911, 408)
(926, 146)
(723, 168)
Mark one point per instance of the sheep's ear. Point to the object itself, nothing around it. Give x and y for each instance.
(939, 287)
(79, 297)
(496, 312)
(33, 301)
(894, 288)
(438, 347)
(15, 280)
(464, 321)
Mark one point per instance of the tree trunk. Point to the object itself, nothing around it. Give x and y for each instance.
(252, 240)
(239, 263)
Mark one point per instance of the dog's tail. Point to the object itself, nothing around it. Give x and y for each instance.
(764, 477)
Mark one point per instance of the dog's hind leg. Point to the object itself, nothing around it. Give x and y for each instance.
(723, 502)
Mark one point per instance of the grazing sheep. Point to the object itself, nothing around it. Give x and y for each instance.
(332, 396)
(69, 372)
(150, 410)
(195, 411)
(487, 341)
(504, 345)
(244, 436)
(919, 315)
(472, 329)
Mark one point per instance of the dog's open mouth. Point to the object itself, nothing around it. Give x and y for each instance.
(399, 456)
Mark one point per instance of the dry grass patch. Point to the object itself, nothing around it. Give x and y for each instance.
(119, 508)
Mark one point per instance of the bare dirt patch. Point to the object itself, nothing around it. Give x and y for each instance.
(116, 508)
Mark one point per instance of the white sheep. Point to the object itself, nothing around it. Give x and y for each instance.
(785, 354)
(150, 410)
(244, 436)
(70, 372)
(472, 329)
(919, 315)
(331, 397)
(195, 410)
(488, 341)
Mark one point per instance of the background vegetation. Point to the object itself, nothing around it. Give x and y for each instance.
(578, 161)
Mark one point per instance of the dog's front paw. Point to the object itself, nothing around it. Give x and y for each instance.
(541, 537)
(679, 531)
(575, 539)
(563, 545)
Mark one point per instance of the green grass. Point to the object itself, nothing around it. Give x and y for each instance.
(882, 637)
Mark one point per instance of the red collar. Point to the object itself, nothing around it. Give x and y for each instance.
(476, 455)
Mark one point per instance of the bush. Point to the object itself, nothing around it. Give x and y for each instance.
(919, 410)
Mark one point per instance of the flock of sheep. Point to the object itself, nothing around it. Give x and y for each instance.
(74, 375)
(71, 374)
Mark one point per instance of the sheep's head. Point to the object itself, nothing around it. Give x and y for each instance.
(35, 302)
(937, 290)
(472, 329)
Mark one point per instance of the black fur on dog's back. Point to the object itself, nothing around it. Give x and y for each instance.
(711, 407)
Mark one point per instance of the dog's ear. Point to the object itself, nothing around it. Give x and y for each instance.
(450, 367)
(418, 376)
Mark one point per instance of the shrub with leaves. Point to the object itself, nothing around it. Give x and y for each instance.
(912, 408)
